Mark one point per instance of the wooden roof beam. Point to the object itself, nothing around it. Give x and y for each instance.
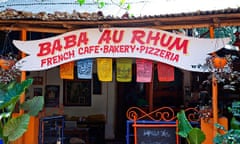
(35, 29)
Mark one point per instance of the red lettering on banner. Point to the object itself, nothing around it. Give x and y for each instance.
(69, 41)
(138, 35)
(88, 50)
(161, 40)
(179, 46)
(156, 52)
(56, 46)
(107, 36)
(83, 38)
(58, 58)
(159, 52)
(118, 48)
(45, 48)
(155, 38)
(165, 41)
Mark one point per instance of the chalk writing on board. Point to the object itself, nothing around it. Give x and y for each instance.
(161, 133)
(157, 135)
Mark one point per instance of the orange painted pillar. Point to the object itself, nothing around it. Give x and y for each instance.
(31, 135)
(23, 77)
(214, 103)
(23, 73)
(214, 93)
(208, 128)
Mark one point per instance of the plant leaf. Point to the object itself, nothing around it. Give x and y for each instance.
(196, 136)
(33, 106)
(101, 4)
(5, 115)
(81, 2)
(183, 124)
(16, 127)
(235, 124)
(122, 2)
(128, 7)
(5, 87)
(218, 139)
(13, 94)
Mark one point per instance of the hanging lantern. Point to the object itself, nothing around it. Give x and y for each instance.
(219, 62)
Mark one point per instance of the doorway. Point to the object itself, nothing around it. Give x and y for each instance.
(129, 93)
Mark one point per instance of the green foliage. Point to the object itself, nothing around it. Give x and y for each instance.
(33, 106)
(229, 137)
(128, 6)
(11, 93)
(221, 32)
(11, 128)
(183, 125)
(101, 4)
(196, 136)
(16, 127)
(122, 2)
(192, 135)
(81, 2)
(235, 124)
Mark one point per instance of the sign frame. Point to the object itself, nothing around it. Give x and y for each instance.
(137, 125)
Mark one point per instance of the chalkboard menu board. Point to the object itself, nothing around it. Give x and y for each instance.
(156, 135)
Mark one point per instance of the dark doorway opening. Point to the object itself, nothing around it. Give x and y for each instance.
(137, 94)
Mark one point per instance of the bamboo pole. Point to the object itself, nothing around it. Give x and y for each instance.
(214, 93)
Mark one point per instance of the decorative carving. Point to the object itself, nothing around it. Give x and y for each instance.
(161, 114)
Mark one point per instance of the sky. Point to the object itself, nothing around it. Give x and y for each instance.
(138, 7)
(178, 6)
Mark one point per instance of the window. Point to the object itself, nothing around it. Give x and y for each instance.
(77, 93)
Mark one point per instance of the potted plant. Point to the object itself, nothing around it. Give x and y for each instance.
(192, 135)
(11, 128)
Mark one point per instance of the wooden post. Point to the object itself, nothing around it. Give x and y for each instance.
(151, 96)
(214, 93)
(31, 135)
(23, 73)
(150, 90)
(22, 98)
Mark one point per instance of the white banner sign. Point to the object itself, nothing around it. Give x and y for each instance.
(180, 51)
